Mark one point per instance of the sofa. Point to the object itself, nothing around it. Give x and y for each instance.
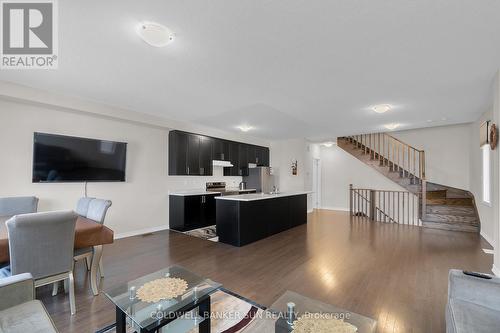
(19, 311)
(473, 304)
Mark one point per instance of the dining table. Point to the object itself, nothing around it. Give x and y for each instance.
(88, 234)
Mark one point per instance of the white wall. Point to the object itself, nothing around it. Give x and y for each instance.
(140, 203)
(339, 169)
(447, 152)
(486, 211)
(283, 154)
(496, 178)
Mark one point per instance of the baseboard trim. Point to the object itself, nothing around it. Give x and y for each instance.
(335, 208)
(140, 232)
(487, 238)
(310, 210)
(495, 270)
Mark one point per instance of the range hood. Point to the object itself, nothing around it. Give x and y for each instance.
(221, 163)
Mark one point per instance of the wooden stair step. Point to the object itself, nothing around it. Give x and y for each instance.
(451, 226)
(460, 219)
(451, 201)
(437, 194)
(451, 210)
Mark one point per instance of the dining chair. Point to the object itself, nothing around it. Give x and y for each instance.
(42, 244)
(93, 209)
(10, 206)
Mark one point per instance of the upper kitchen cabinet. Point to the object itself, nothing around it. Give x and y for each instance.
(177, 153)
(262, 156)
(220, 150)
(258, 155)
(251, 154)
(189, 154)
(192, 155)
(234, 158)
(243, 159)
(206, 158)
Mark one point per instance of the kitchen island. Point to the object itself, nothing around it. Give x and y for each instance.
(243, 219)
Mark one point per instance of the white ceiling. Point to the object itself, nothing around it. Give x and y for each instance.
(289, 68)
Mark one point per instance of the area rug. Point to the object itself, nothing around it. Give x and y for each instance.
(208, 233)
(230, 314)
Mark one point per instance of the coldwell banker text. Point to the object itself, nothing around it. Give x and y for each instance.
(29, 34)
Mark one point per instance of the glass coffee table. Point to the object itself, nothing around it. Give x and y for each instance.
(179, 314)
(276, 318)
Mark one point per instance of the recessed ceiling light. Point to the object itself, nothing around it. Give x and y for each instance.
(155, 34)
(392, 126)
(382, 108)
(245, 128)
(430, 120)
(328, 144)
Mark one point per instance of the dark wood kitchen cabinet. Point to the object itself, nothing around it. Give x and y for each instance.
(206, 159)
(177, 153)
(243, 222)
(234, 158)
(243, 159)
(192, 154)
(262, 156)
(251, 154)
(189, 154)
(191, 211)
(220, 150)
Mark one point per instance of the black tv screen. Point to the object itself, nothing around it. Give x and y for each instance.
(59, 158)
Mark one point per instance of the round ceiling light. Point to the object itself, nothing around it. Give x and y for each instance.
(392, 126)
(382, 108)
(244, 128)
(328, 144)
(155, 34)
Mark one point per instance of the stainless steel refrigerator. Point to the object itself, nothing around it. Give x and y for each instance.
(260, 178)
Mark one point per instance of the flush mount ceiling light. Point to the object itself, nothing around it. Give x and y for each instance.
(328, 144)
(382, 108)
(155, 34)
(392, 126)
(244, 128)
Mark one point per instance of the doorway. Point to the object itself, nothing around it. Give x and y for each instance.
(316, 195)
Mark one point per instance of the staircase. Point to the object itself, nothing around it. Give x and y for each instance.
(440, 206)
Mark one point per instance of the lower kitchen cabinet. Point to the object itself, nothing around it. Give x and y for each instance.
(241, 222)
(191, 211)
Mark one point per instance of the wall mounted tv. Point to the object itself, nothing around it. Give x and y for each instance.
(59, 158)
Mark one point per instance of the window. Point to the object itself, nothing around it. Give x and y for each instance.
(486, 174)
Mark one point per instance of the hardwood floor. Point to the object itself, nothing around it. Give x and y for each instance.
(394, 274)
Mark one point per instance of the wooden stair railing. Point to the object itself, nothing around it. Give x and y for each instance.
(392, 152)
(402, 207)
(438, 206)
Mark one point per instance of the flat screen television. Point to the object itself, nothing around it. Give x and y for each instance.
(59, 158)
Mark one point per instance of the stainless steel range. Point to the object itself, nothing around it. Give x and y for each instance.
(223, 190)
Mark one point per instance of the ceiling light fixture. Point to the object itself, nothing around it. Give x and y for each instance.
(328, 144)
(392, 126)
(155, 34)
(382, 108)
(245, 128)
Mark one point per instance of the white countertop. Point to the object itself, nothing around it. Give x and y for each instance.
(261, 196)
(185, 193)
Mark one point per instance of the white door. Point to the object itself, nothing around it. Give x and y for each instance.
(316, 183)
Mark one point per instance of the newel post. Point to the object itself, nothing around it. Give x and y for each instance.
(372, 205)
(351, 194)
